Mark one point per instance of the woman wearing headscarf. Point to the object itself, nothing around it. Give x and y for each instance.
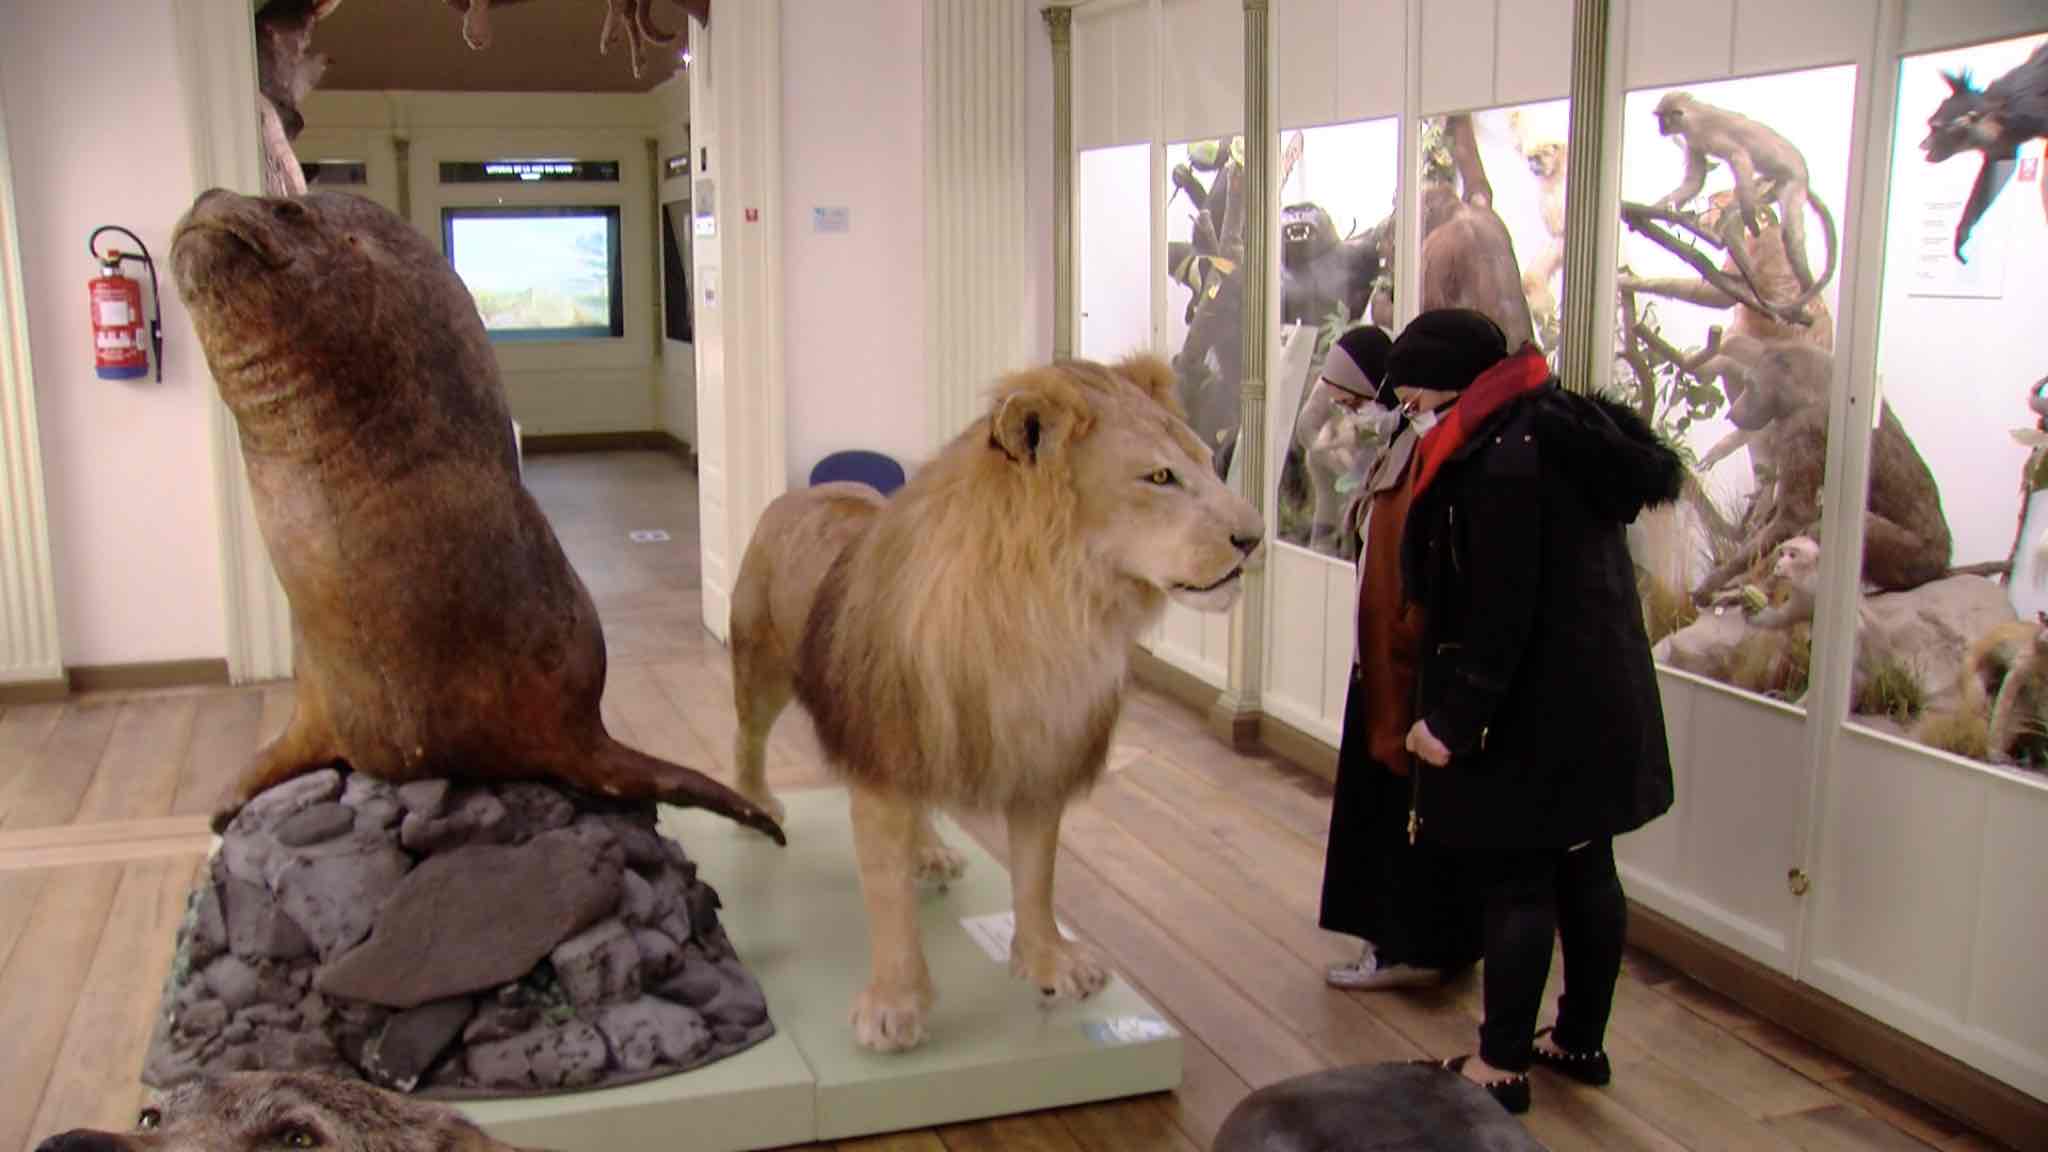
(1409, 903)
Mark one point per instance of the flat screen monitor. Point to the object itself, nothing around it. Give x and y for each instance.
(540, 272)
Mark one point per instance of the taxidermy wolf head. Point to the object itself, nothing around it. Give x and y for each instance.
(1962, 122)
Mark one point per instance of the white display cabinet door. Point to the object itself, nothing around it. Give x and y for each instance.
(1340, 616)
(1184, 641)
(1652, 853)
(1299, 643)
(1717, 861)
(1929, 903)
(2007, 998)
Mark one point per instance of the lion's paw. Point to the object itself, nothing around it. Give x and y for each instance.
(889, 1019)
(938, 865)
(765, 800)
(1069, 970)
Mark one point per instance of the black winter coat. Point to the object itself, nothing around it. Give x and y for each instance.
(1535, 669)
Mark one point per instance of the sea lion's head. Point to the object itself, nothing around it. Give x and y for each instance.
(328, 290)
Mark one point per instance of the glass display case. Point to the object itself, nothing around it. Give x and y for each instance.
(1112, 220)
(1951, 647)
(1336, 245)
(1726, 294)
(1205, 270)
(1493, 216)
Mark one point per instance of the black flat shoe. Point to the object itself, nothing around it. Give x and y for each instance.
(1585, 1067)
(1511, 1093)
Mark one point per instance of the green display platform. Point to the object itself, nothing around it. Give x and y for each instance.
(794, 913)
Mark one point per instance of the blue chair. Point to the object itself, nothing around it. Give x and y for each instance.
(873, 469)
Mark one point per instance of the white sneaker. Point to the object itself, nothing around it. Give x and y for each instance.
(1367, 972)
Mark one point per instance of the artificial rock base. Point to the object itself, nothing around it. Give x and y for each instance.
(454, 940)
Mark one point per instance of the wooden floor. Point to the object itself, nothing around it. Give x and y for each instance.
(1195, 869)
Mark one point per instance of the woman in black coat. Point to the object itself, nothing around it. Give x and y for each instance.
(1540, 717)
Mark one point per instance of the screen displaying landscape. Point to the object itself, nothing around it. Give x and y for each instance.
(539, 273)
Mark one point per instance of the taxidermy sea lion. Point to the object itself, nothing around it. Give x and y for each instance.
(439, 628)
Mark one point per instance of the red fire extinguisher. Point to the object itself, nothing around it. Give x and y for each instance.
(117, 321)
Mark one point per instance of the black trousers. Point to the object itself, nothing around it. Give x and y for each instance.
(1418, 903)
(1575, 896)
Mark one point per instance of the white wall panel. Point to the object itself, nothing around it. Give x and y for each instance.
(1371, 56)
(1136, 65)
(978, 272)
(1772, 35)
(1203, 69)
(1932, 24)
(1114, 76)
(1457, 55)
(1094, 80)
(1677, 41)
(1306, 58)
(1533, 51)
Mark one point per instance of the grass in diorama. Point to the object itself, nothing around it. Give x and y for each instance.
(1891, 688)
(1773, 663)
(1963, 731)
(1666, 607)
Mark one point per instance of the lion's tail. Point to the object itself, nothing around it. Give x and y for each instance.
(632, 774)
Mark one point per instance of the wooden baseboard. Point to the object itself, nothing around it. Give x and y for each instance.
(1162, 677)
(147, 677)
(1238, 728)
(20, 692)
(564, 443)
(1987, 1104)
(1298, 748)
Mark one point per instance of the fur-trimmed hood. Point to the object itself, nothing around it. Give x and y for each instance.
(1619, 464)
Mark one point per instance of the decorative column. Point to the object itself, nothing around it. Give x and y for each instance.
(1059, 21)
(977, 167)
(1586, 323)
(29, 653)
(1236, 712)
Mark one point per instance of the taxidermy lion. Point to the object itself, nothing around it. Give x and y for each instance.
(965, 642)
(282, 1112)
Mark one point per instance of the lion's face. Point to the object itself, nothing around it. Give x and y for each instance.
(1147, 495)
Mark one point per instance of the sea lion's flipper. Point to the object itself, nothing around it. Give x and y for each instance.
(631, 773)
(307, 744)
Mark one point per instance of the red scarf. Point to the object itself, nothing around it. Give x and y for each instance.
(1511, 379)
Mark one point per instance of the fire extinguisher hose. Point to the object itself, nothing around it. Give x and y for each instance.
(116, 256)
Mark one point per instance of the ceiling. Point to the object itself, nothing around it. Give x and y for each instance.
(536, 46)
